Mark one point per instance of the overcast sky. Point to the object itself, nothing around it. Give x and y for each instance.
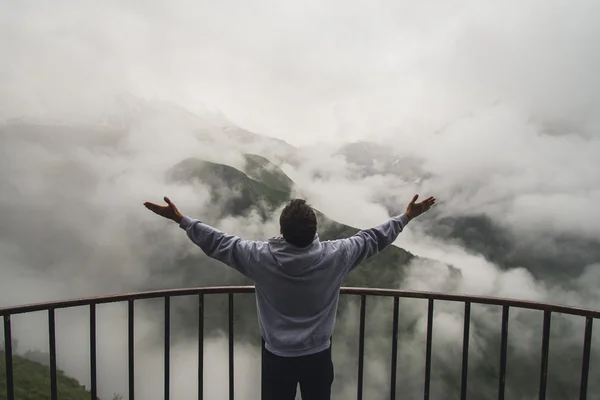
(306, 71)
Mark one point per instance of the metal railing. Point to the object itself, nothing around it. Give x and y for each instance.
(547, 309)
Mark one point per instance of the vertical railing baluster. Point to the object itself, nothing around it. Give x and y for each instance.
(428, 349)
(262, 366)
(167, 345)
(585, 362)
(361, 347)
(503, 348)
(10, 389)
(545, 350)
(200, 346)
(52, 344)
(465, 351)
(130, 349)
(231, 376)
(394, 350)
(93, 380)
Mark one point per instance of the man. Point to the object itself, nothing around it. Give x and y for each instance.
(298, 280)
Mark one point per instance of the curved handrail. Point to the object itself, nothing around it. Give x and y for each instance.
(526, 304)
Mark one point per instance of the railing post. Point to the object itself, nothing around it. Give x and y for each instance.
(130, 349)
(93, 379)
(465, 351)
(52, 340)
(428, 349)
(167, 348)
(10, 389)
(585, 362)
(545, 350)
(503, 348)
(394, 350)
(200, 346)
(361, 347)
(262, 365)
(231, 371)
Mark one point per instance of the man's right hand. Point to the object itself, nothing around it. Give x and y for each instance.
(414, 209)
(169, 211)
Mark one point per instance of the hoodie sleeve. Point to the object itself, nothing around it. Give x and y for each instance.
(366, 243)
(233, 251)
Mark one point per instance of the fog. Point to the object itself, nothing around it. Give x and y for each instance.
(497, 102)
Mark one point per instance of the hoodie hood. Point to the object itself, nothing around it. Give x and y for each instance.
(294, 260)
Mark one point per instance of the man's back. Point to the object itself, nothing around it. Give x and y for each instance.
(297, 288)
(297, 292)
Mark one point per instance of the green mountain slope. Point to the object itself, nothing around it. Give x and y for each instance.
(265, 187)
(231, 189)
(262, 170)
(32, 381)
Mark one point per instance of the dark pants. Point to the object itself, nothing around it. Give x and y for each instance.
(281, 376)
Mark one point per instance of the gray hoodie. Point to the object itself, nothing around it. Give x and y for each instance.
(297, 289)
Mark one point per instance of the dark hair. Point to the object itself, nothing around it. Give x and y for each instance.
(298, 223)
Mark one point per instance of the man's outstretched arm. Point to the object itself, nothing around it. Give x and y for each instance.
(231, 250)
(368, 242)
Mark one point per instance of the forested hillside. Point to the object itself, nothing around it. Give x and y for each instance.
(32, 381)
